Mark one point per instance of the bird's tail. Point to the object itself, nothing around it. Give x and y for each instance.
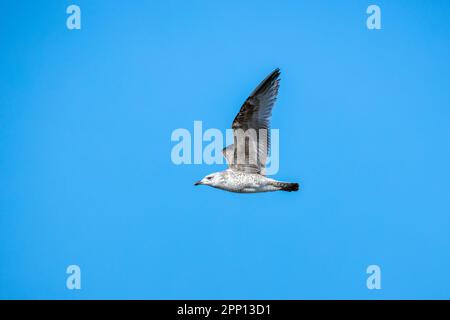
(287, 186)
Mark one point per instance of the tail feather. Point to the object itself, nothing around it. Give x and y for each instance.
(287, 186)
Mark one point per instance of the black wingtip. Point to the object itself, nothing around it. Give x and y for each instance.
(275, 74)
(268, 81)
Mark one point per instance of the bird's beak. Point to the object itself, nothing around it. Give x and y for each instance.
(198, 183)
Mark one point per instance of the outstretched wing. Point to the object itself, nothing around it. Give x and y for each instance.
(251, 128)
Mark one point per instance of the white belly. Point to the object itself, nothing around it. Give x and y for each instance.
(248, 183)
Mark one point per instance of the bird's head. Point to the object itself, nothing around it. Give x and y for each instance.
(212, 179)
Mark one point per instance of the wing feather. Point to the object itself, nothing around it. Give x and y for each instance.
(251, 128)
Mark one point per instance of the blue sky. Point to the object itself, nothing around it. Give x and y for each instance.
(86, 176)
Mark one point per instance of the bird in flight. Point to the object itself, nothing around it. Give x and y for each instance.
(247, 156)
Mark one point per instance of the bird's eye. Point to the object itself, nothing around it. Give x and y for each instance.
(208, 178)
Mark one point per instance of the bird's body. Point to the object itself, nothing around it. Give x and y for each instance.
(242, 182)
(247, 156)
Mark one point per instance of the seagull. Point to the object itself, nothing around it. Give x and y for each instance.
(246, 157)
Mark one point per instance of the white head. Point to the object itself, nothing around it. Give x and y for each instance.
(214, 180)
